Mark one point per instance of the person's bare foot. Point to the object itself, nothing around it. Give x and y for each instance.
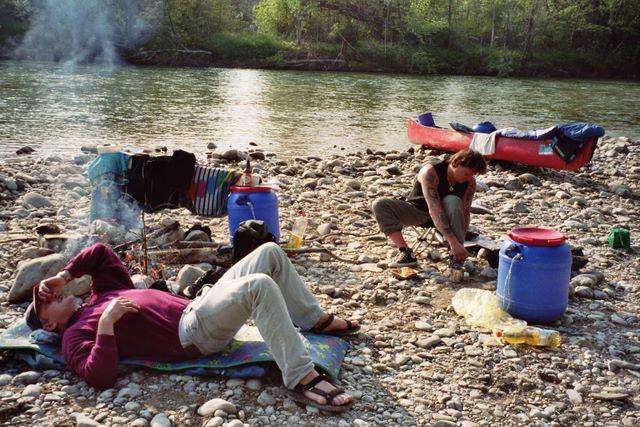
(341, 399)
(336, 324)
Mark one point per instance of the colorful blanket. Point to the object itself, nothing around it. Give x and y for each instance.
(243, 357)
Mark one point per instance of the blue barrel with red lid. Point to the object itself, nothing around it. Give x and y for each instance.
(533, 274)
(253, 202)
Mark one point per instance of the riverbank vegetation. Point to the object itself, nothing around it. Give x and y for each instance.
(583, 38)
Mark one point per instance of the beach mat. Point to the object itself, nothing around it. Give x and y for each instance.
(243, 357)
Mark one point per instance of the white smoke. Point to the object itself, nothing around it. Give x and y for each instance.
(81, 31)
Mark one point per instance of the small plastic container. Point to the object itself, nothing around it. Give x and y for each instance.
(297, 232)
(532, 336)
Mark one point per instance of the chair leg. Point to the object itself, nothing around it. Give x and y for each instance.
(422, 240)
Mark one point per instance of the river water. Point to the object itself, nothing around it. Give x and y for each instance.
(57, 108)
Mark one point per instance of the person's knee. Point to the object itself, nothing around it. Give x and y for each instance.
(452, 203)
(261, 283)
(271, 247)
(378, 205)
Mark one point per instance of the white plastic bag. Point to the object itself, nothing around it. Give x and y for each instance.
(481, 308)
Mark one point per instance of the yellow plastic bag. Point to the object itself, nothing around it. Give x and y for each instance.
(481, 308)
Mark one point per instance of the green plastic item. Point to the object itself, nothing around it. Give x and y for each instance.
(619, 238)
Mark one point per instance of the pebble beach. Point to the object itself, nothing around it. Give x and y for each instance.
(415, 362)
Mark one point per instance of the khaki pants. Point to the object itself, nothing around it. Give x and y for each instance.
(266, 287)
(394, 214)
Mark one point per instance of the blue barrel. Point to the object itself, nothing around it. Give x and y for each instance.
(253, 203)
(533, 274)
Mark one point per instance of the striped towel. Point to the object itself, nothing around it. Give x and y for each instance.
(209, 190)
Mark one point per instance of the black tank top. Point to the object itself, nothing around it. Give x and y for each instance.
(416, 197)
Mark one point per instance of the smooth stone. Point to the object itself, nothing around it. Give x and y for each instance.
(32, 390)
(609, 396)
(430, 342)
(266, 399)
(83, 420)
(215, 422)
(5, 379)
(160, 420)
(574, 396)
(35, 200)
(28, 377)
(187, 276)
(213, 405)
(33, 271)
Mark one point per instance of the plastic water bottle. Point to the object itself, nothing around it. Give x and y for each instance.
(531, 335)
(297, 232)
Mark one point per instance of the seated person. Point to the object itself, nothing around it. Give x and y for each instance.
(441, 196)
(120, 321)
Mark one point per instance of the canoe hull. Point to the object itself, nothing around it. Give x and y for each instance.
(523, 151)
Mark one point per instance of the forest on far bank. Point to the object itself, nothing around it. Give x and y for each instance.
(546, 38)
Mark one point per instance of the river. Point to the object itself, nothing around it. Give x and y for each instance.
(57, 108)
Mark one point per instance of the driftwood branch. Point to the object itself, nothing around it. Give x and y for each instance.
(189, 256)
(155, 235)
(320, 250)
(184, 244)
(23, 238)
(340, 233)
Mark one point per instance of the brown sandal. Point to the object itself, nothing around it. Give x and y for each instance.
(297, 394)
(351, 328)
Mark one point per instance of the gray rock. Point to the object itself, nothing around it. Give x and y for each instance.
(160, 420)
(265, 399)
(393, 171)
(32, 390)
(430, 342)
(32, 272)
(574, 397)
(35, 200)
(197, 236)
(583, 292)
(83, 420)
(213, 405)
(514, 185)
(28, 377)
(529, 178)
(354, 184)
(324, 229)
(187, 275)
(5, 379)
(609, 396)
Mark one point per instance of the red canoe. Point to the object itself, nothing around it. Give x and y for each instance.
(525, 151)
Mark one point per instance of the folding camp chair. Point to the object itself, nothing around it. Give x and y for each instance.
(427, 235)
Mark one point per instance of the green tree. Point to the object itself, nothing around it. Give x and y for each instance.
(424, 20)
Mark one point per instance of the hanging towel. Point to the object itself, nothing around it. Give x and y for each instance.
(484, 143)
(209, 190)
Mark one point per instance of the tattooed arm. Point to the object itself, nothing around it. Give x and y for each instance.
(429, 180)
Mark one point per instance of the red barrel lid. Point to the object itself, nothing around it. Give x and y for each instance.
(250, 189)
(537, 236)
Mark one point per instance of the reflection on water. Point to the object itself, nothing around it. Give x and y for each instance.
(55, 109)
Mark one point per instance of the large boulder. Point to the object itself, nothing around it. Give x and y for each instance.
(38, 269)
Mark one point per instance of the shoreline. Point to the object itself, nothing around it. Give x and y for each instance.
(415, 361)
